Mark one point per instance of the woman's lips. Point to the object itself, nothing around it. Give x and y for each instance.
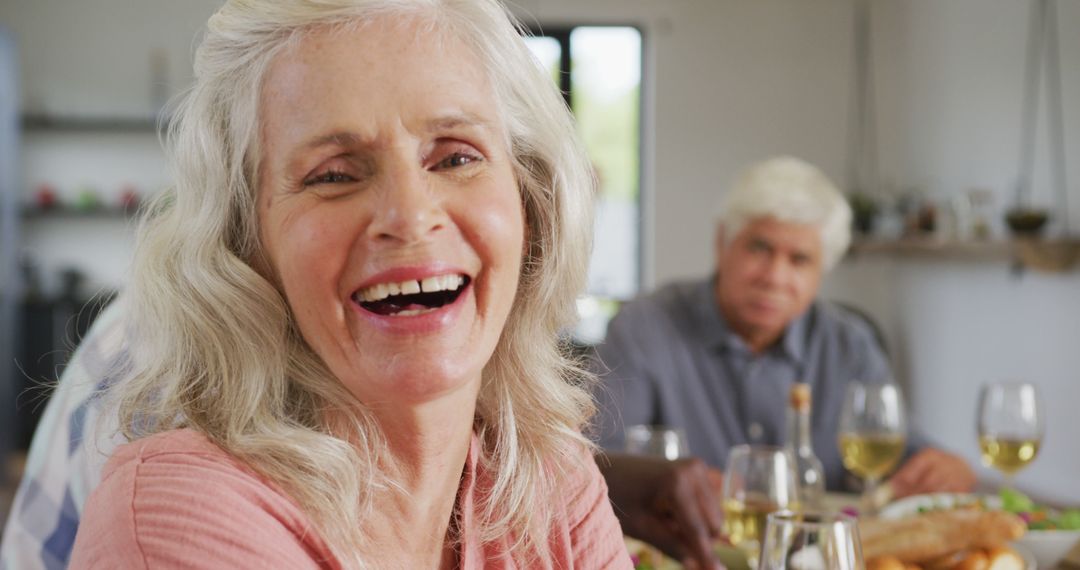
(412, 297)
(432, 284)
(411, 318)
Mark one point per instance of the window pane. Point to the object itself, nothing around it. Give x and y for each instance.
(606, 94)
(548, 51)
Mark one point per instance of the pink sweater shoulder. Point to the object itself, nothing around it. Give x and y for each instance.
(176, 500)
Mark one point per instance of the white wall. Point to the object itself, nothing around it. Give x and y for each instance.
(733, 81)
(950, 88)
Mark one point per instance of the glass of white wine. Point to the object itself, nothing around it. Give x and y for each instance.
(873, 432)
(657, 441)
(1010, 426)
(758, 480)
(801, 541)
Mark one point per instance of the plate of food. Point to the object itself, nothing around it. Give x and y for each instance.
(939, 532)
(645, 556)
(1048, 534)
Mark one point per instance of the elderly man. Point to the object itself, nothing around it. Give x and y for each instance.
(717, 357)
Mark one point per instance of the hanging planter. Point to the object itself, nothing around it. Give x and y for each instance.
(1025, 219)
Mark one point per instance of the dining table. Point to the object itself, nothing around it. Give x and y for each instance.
(734, 559)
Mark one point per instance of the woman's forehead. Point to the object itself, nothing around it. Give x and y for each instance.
(363, 77)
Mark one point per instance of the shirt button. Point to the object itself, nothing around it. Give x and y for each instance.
(755, 432)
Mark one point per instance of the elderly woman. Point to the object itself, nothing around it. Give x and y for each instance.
(345, 323)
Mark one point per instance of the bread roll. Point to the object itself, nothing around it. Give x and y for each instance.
(975, 560)
(947, 562)
(884, 563)
(1004, 558)
(936, 534)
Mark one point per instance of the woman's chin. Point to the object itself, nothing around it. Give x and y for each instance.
(416, 382)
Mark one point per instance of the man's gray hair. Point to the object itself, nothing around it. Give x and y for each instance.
(789, 189)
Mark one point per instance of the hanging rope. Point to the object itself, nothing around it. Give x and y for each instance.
(1043, 45)
(862, 160)
(1056, 112)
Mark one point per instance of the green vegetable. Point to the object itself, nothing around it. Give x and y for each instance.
(1015, 501)
(1069, 520)
(1039, 517)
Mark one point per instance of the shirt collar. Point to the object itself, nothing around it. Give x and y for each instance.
(719, 335)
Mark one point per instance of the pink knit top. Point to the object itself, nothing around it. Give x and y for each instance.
(176, 500)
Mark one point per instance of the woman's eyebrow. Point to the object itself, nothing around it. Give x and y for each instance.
(457, 120)
(439, 123)
(337, 138)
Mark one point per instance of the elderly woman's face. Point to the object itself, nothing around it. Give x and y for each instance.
(389, 208)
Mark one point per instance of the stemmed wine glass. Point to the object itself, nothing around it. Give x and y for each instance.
(1010, 426)
(657, 441)
(873, 432)
(810, 540)
(758, 480)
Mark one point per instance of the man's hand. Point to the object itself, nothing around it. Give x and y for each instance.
(933, 471)
(673, 505)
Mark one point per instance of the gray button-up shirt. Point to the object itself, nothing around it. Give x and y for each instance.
(670, 358)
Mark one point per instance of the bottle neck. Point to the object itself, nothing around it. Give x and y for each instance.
(799, 430)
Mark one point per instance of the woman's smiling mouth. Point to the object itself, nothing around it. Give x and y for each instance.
(411, 296)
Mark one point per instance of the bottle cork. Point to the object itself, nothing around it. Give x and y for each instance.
(800, 396)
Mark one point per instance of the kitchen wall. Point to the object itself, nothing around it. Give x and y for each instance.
(728, 82)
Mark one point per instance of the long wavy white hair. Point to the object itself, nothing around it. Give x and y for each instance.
(214, 346)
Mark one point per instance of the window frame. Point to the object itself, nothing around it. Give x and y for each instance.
(562, 34)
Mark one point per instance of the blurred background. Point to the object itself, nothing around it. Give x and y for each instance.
(936, 117)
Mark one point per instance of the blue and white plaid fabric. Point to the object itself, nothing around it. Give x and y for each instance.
(68, 452)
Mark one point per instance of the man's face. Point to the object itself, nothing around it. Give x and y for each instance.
(768, 276)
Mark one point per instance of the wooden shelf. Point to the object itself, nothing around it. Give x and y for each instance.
(930, 247)
(75, 124)
(1049, 255)
(68, 213)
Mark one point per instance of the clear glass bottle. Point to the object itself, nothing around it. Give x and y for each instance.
(808, 468)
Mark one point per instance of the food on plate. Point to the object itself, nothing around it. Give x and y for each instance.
(1038, 517)
(933, 535)
(996, 558)
(976, 560)
(887, 563)
(1004, 558)
(645, 556)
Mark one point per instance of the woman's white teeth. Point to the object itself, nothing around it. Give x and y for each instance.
(411, 287)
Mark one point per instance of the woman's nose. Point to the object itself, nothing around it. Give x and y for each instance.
(408, 209)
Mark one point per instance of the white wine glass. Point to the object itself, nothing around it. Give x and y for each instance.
(1010, 426)
(805, 541)
(873, 433)
(758, 480)
(657, 441)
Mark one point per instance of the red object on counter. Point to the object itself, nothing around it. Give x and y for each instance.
(129, 198)
(45, 197)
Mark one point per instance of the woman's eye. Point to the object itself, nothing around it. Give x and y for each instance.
(457, 160)
(328, 177)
